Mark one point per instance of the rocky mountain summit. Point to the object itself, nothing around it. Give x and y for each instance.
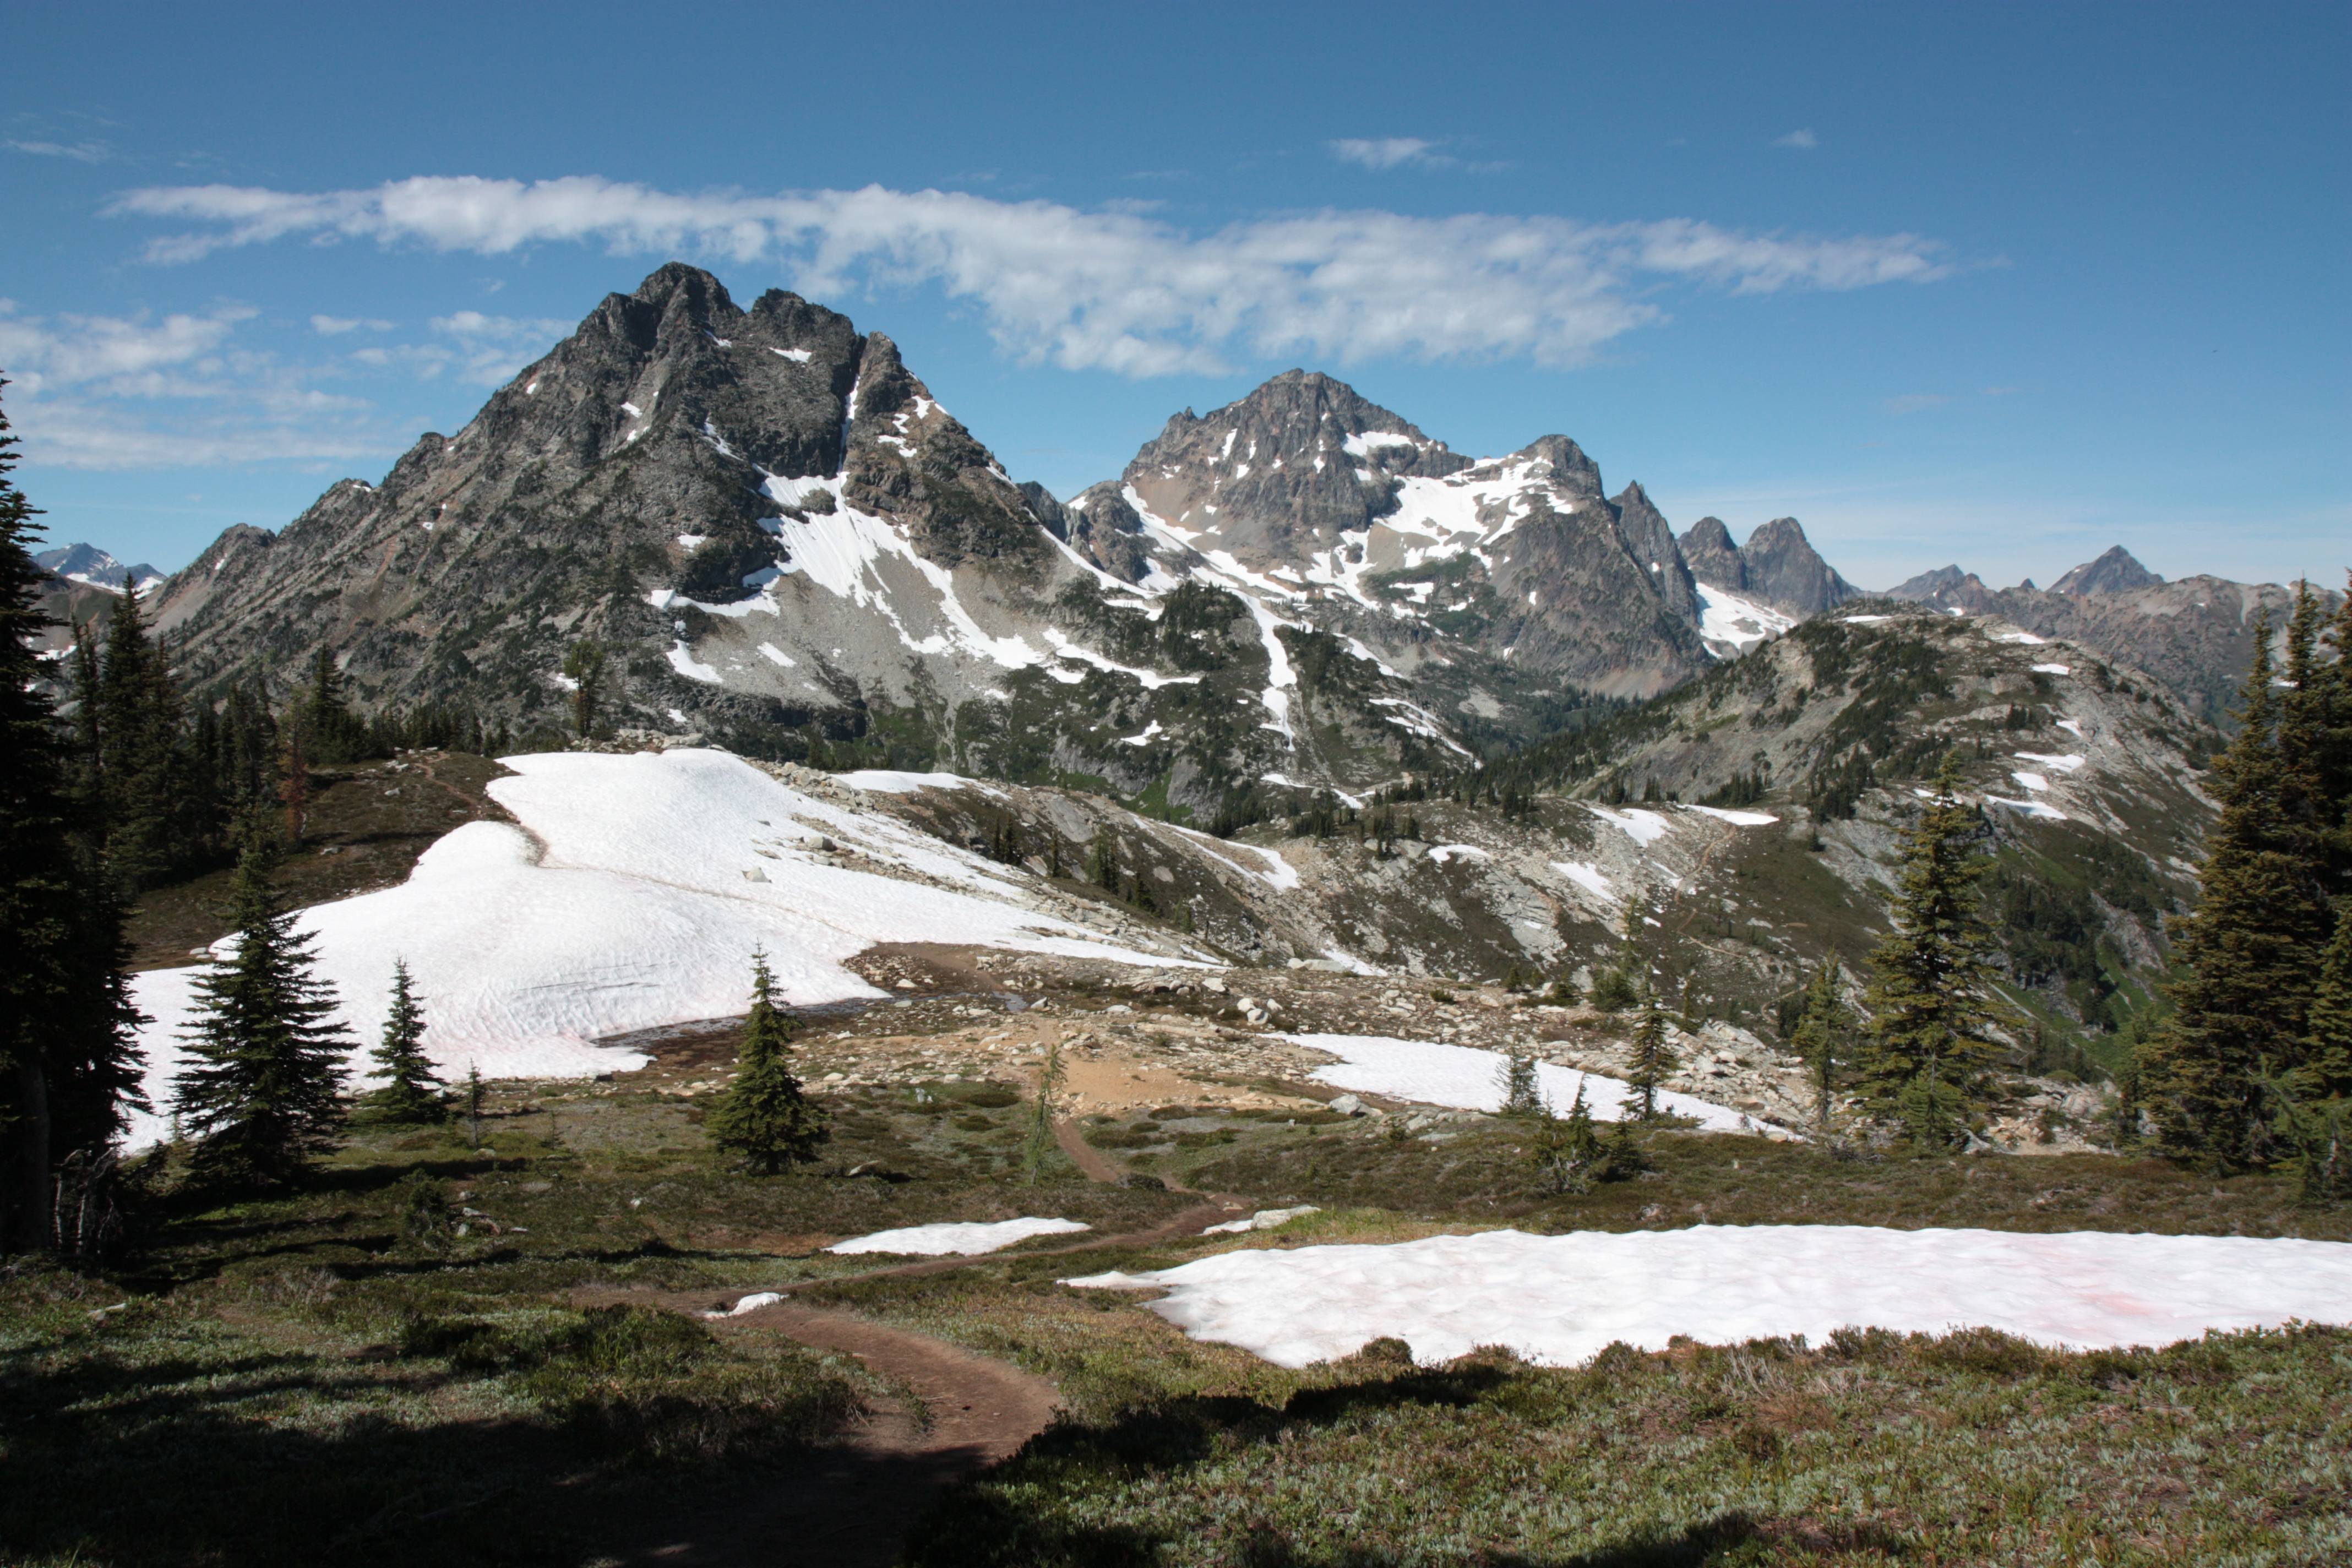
(89, 566)
(1778, 566)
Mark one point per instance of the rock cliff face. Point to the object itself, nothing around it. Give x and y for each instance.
(1778, 566)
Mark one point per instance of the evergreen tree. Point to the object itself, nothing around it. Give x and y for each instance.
(67, 1067)
(766, 1117)
(143, 763)
(1928, 1060)
(1653, 1060)
(1521, 1096)
(1822, 1027)
(1037, 1146)
(473, 1104)
(2334, 767)
(332, 732)
(2327, 1070)
(262, 1092)
(584, 666)
(410, 1092)
(1566, 1151)
(2249, 956)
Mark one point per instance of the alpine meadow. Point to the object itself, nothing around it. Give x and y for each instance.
(722, 965)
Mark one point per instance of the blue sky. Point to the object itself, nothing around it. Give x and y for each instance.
(1999, 284)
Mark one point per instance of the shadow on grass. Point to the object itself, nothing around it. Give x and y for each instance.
(992, 1533)
(113, 1465)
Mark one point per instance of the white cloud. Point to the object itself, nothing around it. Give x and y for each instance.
(491, 349)
(336, 326)
(117, 391)
(1797, 139)
(1916, 402)
(1386, 151)
(127, 352)
(1102, 290)
(79, 151)
(77, 434)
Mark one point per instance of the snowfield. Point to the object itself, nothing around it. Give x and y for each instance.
(1471, 1080)
(1560, 1300)
(630, 897)
(964, 1239)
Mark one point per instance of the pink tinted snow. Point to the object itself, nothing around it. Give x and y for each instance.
(1559, 1299)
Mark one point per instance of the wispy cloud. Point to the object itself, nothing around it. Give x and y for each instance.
(125, 352)
(131, 392)
(1387, 152)
(1916, 402)
(1805, 139)
(79, 151)
(336, 326)
(1102, 290)
(491, 349)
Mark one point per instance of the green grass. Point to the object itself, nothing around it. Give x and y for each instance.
(1874, 1448)
(307, 1379)
(295, 1380)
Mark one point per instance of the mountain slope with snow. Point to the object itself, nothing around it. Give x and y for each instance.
(784, 543)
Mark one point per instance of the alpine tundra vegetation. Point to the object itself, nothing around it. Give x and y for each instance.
(1323, 965)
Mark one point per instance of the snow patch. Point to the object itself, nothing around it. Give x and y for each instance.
(1442, 853)
(884, 781)
(1265, 1219)
(682, 659)
(1737, 818)
(616, 902)
(1587, 876)
(1560, 1299)
(965, 1239)
(1472, 1080)
(1739, 623)
(1644, 828)
(2053, 669)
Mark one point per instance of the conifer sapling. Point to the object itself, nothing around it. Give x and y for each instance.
(262, 1093)
(767, 1116)
(1654, 1058)
(410, 1092)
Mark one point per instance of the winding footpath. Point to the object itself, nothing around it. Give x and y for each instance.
(949, 1413)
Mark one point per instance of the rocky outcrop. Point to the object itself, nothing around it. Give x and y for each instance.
(1713, 559)
(1285, 470)
(1785, 572)
(2115, 573)
(1778, 566)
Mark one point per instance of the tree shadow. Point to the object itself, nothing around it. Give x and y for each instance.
(277, 1461)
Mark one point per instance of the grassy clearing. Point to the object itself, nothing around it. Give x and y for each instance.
(1873, 1449)
(304, 1379)
(312, 1379)
(1481, 1173)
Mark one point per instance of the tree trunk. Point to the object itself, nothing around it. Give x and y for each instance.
(33, 1176)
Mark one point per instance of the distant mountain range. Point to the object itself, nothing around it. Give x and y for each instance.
(783, 539)
(2197, 636)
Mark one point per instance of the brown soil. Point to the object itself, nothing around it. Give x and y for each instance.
(367, 826)
(852, 1504)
